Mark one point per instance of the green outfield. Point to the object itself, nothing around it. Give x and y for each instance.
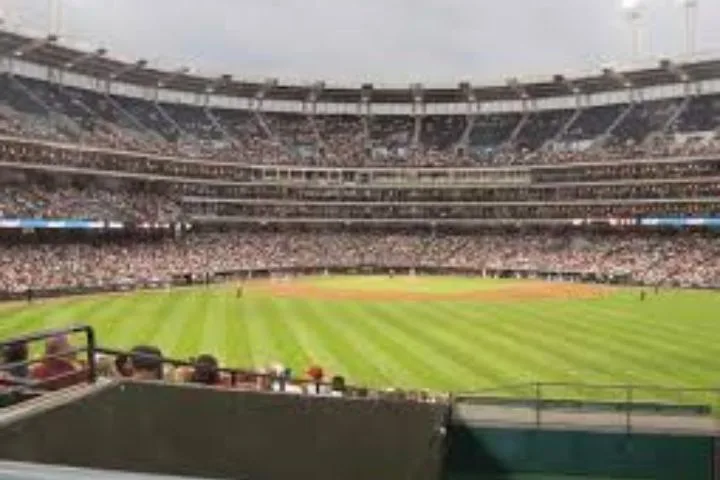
(459, 344)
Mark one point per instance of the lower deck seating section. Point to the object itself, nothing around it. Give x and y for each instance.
(655, 258)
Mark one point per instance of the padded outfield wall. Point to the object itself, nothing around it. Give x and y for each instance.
(198, 431)
(186, 430)
(509, 453)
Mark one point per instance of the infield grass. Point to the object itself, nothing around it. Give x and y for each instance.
(671, 339)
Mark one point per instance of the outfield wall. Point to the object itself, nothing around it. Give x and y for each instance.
(197, 431)
(505, 453)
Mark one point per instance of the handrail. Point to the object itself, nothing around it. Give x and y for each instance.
(629, 402)
(89, 350)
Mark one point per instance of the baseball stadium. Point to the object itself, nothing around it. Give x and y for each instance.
(472, 281)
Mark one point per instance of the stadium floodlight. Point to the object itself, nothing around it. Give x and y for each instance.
(691, 11)
(2, 17)
(629, 5)
(633, 13)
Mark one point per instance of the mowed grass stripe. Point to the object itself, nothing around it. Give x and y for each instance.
(194, 320)
(287, 349)
(378, 367)
(384, 354)
(317, 347)
(138, 319)
(178, 325)
(238, 350)
(660, 354)
(17, 321)
(429, 375)
(642, 323)
(503, 346)
(213, 325)
(591, 356)
(428, 322)
(569, 343)
(536, 357)
(71, 314)
(626, 364)
(633, 348)
(324, 319)
(431, 355)
(657, 333)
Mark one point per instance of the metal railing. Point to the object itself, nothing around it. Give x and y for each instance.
(85, 370)
(531, 403)
(561, 401)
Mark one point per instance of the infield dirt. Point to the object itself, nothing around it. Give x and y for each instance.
(521, 291)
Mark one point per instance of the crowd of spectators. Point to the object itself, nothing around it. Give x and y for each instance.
(91, 203)
(675, 127)
(687, 259)
(62, 364)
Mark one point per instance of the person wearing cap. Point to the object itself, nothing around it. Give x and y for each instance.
(206, 371)
(146, 363)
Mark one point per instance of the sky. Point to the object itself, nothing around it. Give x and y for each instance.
(435, 42)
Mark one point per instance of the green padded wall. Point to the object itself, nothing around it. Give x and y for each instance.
(495, 453)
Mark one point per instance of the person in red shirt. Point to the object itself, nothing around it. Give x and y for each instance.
(57, 369)
(316, 376)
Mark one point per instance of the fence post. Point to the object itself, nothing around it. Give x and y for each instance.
(91, 346)
(538, 404)
(628, 408)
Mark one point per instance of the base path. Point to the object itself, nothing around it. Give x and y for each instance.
(503, 293)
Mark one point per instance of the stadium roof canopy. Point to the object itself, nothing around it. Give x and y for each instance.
(55, 55)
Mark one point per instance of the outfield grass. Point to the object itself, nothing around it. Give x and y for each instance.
(670, 339)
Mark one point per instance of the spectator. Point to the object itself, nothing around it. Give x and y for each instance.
(123, 366)
(315, 376)
(146, 363)
(57, 369)
(206, 371)
(13, 354)
(337, 386)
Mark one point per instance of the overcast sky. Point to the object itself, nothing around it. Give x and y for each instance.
(384, 41)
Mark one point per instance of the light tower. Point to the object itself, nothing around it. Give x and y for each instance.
(55, 15)
(633, 10)
(691, 10)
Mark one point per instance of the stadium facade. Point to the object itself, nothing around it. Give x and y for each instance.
(114, 146)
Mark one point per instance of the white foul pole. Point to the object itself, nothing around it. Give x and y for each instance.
(691, 15)
(633, 10)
